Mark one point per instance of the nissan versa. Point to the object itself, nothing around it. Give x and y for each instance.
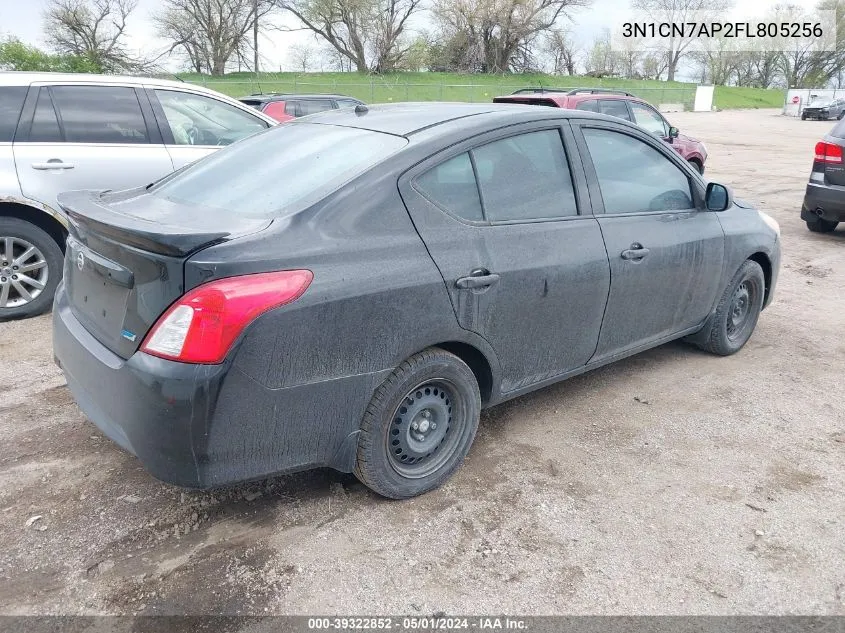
(379, 275)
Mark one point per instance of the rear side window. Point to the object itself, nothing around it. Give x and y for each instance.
(634, 177)
(524, 177)
(614, 107)
(590, 105)
(45, 124)
(11, 102)
(316, 161)
(451, 185)
(312, 106)
(100, 114)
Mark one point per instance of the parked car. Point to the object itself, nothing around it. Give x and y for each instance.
(824, 109)
(618, 103)
(61, 132)
(824, 201)
(357, 309)
(284, 107)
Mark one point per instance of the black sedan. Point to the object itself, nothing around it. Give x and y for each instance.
(824, 110)
(379, 275)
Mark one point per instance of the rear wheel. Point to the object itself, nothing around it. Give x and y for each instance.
(737, 313)
(697, 165)
(30, 269)
(803, 117)
(819, 225)
(419, 425)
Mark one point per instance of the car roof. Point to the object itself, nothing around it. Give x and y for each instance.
(18, 78)
(562, 99)
(406, 119)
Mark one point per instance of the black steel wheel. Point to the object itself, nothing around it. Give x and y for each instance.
(730, 327)
(419, 425)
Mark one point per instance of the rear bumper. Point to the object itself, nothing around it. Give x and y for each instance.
(200, 426)
(824, 201)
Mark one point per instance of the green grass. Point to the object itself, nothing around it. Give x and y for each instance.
(473, 88)
(731, 98)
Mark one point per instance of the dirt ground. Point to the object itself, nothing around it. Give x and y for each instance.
(673, 482)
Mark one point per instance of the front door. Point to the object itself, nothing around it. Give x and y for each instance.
(500, 217)
(87, 137)
(666, 253)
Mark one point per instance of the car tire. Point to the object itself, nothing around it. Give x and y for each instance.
(736, 315)
(418, 426)
(803, 117)
(819, 225)
(22, 235)
(697, 165)
(841, 114)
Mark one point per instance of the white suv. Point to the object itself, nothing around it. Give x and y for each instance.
(65, 132)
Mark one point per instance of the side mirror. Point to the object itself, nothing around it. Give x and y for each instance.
(673, 132)
(718, 197)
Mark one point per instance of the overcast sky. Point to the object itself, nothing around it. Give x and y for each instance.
(23, 19)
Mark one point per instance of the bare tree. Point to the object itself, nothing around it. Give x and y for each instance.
(302, 57)
(563, 50)
(680, 12)
(210, 32)
(92, 29)
(359, 30)
(500, 27)
(654, 64)
(602, 60)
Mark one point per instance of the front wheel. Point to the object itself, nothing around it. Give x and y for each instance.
(818, 225)
(418, 426)
(697, 166)
(737, 313)
(30, 269)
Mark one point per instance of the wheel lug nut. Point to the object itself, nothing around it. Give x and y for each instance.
(426, 413)
(415, 426)
(14, 276)
(14, 267)
(433, 425)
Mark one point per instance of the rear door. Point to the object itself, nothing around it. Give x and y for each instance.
(87, 137)
(666, 253)
(615, 107)
(507, 220)
(194, 125)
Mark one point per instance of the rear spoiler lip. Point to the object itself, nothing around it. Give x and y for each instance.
(87, 212)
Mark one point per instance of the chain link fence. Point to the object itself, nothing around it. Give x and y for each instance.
(378, 90)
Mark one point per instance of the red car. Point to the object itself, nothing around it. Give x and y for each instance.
(284, 107)
(619, 104)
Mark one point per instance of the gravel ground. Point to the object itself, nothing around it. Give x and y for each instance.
(672, 482)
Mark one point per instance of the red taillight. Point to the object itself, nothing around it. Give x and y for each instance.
(202, 326)
(828, 153)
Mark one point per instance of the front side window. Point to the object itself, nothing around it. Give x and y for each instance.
(254, 178)
(100, 114)
(346, 103)
(11, 103)
(649, 120)
(633, 176)
(614, 107)
(524, 177)
(199, 120)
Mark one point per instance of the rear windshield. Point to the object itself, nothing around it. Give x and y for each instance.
(280, 171)
(526, 101)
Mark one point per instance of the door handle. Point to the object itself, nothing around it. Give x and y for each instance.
(635, 253)
(55, 164)
(477, 281)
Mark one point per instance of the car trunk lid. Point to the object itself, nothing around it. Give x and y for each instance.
(125, 258)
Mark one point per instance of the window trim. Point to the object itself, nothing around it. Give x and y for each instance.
(596, 197)
(560, 125)
(164, 125)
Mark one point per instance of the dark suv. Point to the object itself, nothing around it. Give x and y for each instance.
(824, 201)
(618, 103)
(284, 107)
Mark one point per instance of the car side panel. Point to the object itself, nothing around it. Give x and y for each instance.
(375, 288)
